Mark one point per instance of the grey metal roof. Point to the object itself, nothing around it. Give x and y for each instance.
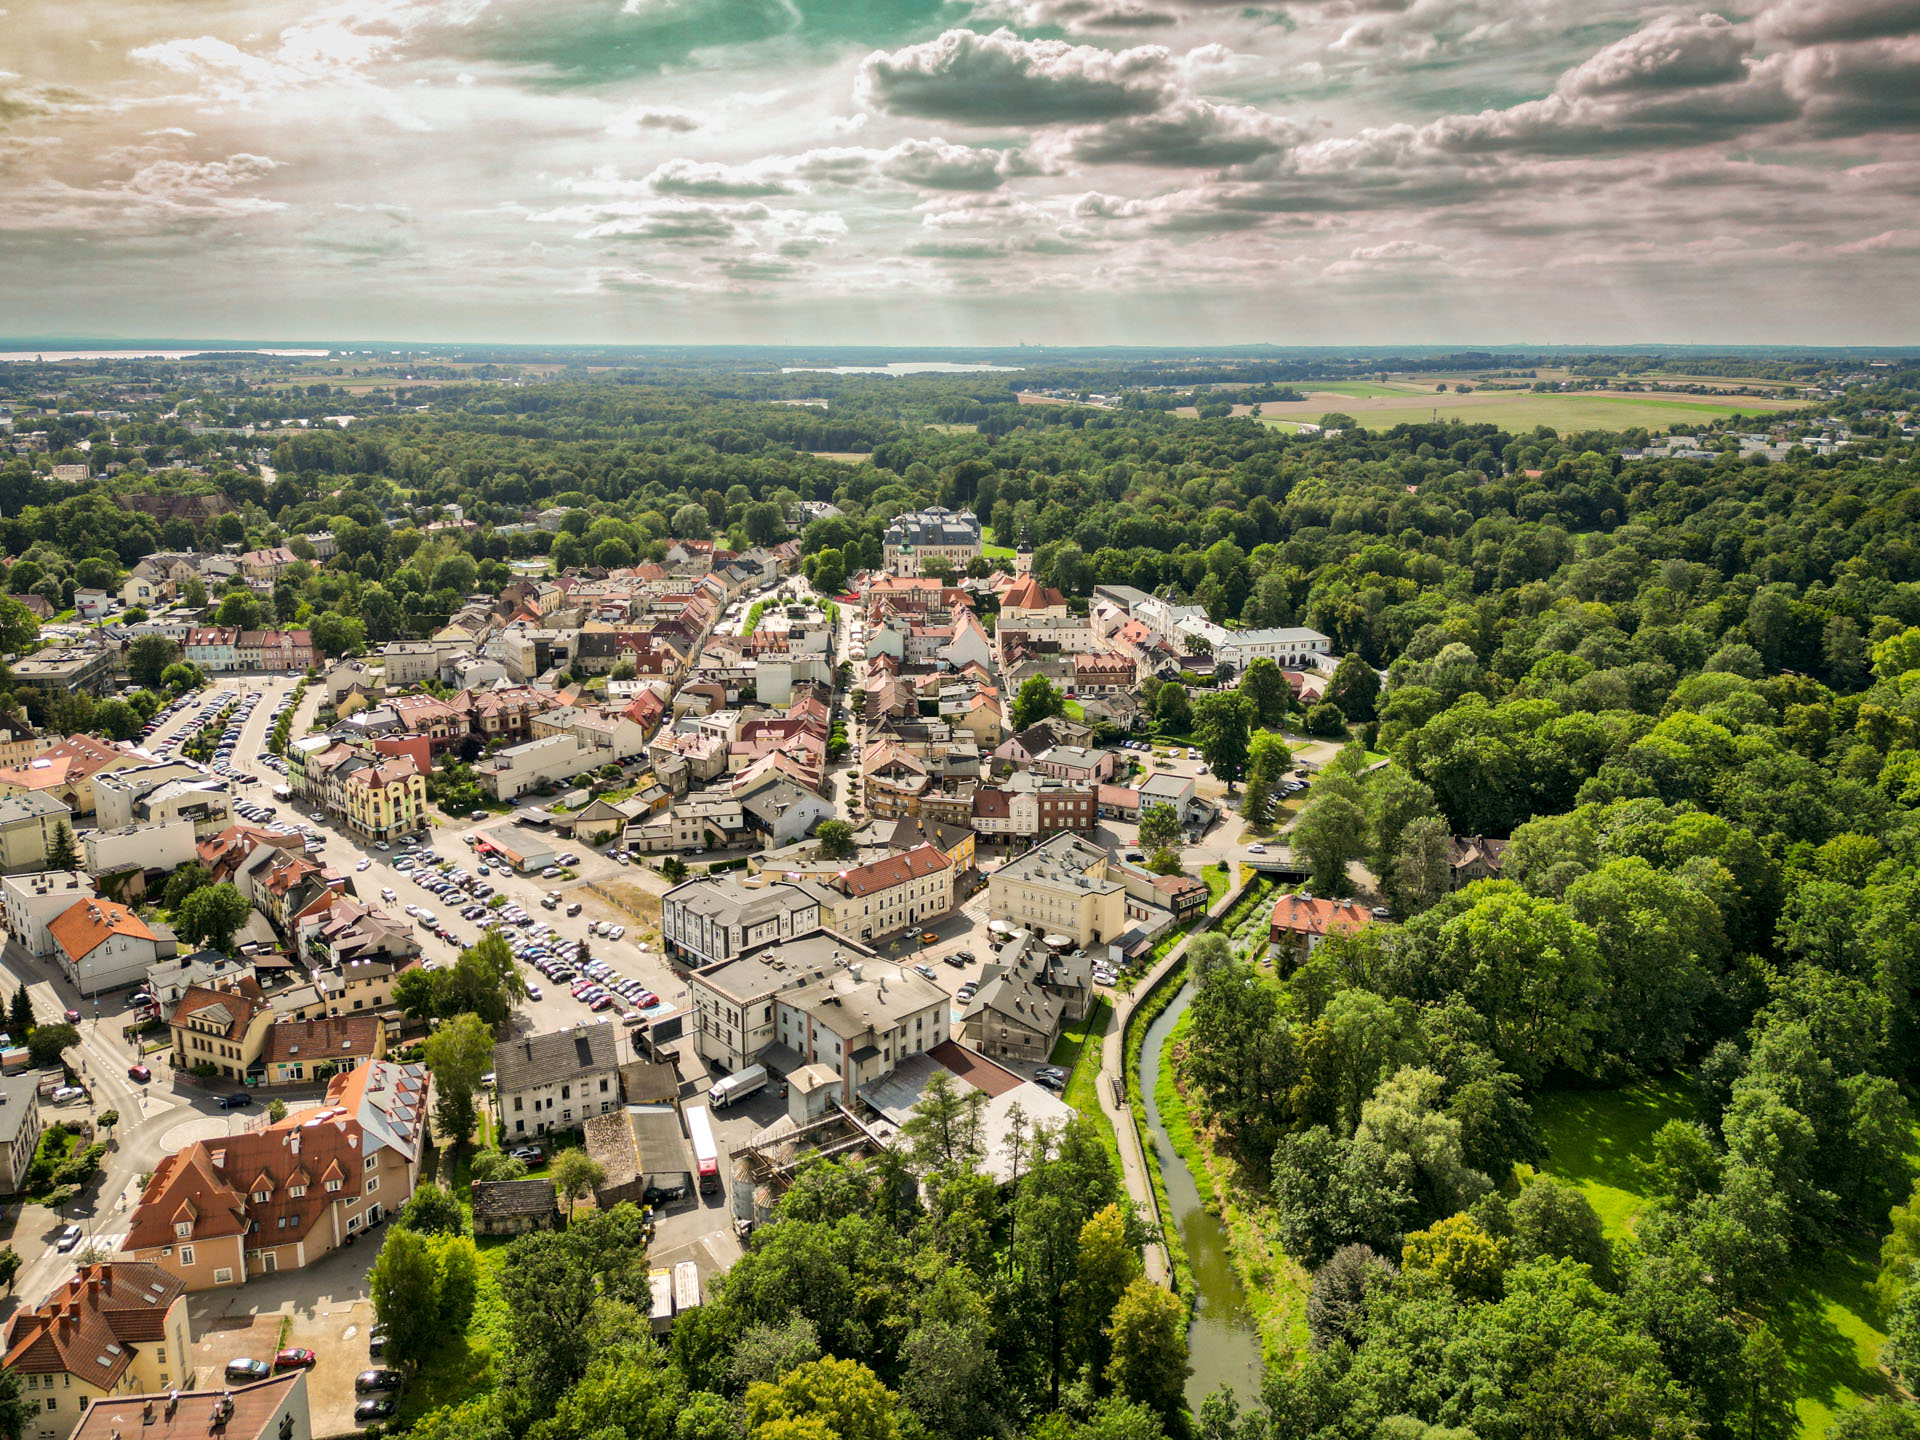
(556, 1056)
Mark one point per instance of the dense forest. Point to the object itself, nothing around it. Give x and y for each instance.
(1686, 691)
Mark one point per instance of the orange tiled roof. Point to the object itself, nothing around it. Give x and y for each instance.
(89, 1326)
(81, 927)
(884, 874)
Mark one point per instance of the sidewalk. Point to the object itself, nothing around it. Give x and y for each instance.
(1133, 1164)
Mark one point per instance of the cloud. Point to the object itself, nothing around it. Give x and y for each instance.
(714, 180)
(1675, 51)
(647, 117)
(937, 165)
(1887, 242)
(1858, 89)
(1815, 22)
(1189, 133)
(1001, 79)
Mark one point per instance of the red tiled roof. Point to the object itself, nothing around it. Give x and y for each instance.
(89, 1325)
(86, 923)
(884, 874)
(1301, 915)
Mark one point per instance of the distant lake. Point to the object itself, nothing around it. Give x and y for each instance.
(136, 354)
(898, 367)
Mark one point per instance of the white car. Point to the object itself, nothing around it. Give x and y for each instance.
(1256, 849)
(614, 932)
(364, 865)
(387, 895)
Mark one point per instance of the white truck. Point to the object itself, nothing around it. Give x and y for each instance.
(738, 1086)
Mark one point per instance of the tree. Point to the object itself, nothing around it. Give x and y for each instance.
(1331, 1192)
(1553, 1220)
(1457, 1251)
(1173, 708)
(148, 659)
(1267, 690)
(690, 522)
(1159, 828)
(1268, 758)
(208, 917)
(107, 1119)
(1337, 1303)
(458, 1054)
(836, 840)
(1420, 873)
(576, 1175)
(20, 1014)
(418, 991)
(182, 676)
(16, 1410)
(823, 1400)
(1326, 720)
(183, 882)
(674, 869)
(276, 1111)
(490, 1165)
(1331, 832)
(19, 627)
(1256, 801)
(1039, 698)
(63, 854)
(405, 1285)
(1221, 729)
(1109, 1261)
(1149, 1340)
(48, 1044)
(1354, 688)
(431, 1211)
(10, 1263)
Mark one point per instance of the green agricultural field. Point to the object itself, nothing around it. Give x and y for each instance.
(1602, 1141)
(1521, 411)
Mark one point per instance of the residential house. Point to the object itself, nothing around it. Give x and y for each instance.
(512, 772)
(514, 1207)
(225, 1027)
(557, 1080)
(1011, 1018)
(299, 1051)
(956, 842)
(1301, 922)
(55, 671)
(732, 1000)
(108, 1331)
(1473, 857)
(386, 798)
(267, 564)
(900, 891)
(19, 742)
(66, 771)
(781, 812)
(102, 946)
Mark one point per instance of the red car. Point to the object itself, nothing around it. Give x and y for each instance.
(294, 1359)
(140, 1073)
(601, 1002)
(73, 1017)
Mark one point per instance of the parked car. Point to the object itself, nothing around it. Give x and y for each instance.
(374, 1382)
(294, 1358)
(533, 992)
(236, 1102)
(528, 1154)
(243, 1369)
(926, 971)
(374, 1407)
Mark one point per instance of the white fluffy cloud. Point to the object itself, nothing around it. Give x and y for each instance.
(1001, 79)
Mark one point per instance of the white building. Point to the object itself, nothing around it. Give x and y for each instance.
(1292, 647)
(33, 901)
(935, 533)
(162, 845)
(102, 945)
(557, 1080)
(520, 768)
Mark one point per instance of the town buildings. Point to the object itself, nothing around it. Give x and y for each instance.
(1301, 922)
(704, 922)
(101, 945)
(935, 533)
(1060, 887)
(20, 1129)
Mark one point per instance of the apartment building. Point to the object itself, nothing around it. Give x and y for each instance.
(707, 921)
(113, 1329)
(556, 1081)
(221, 1211)
(883, 896)
(1063, 886)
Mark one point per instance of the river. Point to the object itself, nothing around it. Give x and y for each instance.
(1223, 1341)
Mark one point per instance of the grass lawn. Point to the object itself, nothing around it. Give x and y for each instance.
(1074, 711)
(1217, 882)
(991, 551)
(1078, 1052)
(1602, 1141)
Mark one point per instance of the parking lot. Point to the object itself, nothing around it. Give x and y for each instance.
(322, 1308)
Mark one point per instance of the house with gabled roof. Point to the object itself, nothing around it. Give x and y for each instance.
(115, 1328)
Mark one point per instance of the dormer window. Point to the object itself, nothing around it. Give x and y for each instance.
(183, 1228)
(332, 1185)
(296, 1191)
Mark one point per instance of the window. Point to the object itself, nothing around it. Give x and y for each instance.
(332, 1185)
(372, 1160)
(373, 1183)
(296, 1191)
(566, 1092)
(223, 1276)
(603, 1085)
(353, 1223)
(516, 1102)
(186, 1254)
(183, 1228)
(260, 1197)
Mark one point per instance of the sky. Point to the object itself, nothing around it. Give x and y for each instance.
(961, 172)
